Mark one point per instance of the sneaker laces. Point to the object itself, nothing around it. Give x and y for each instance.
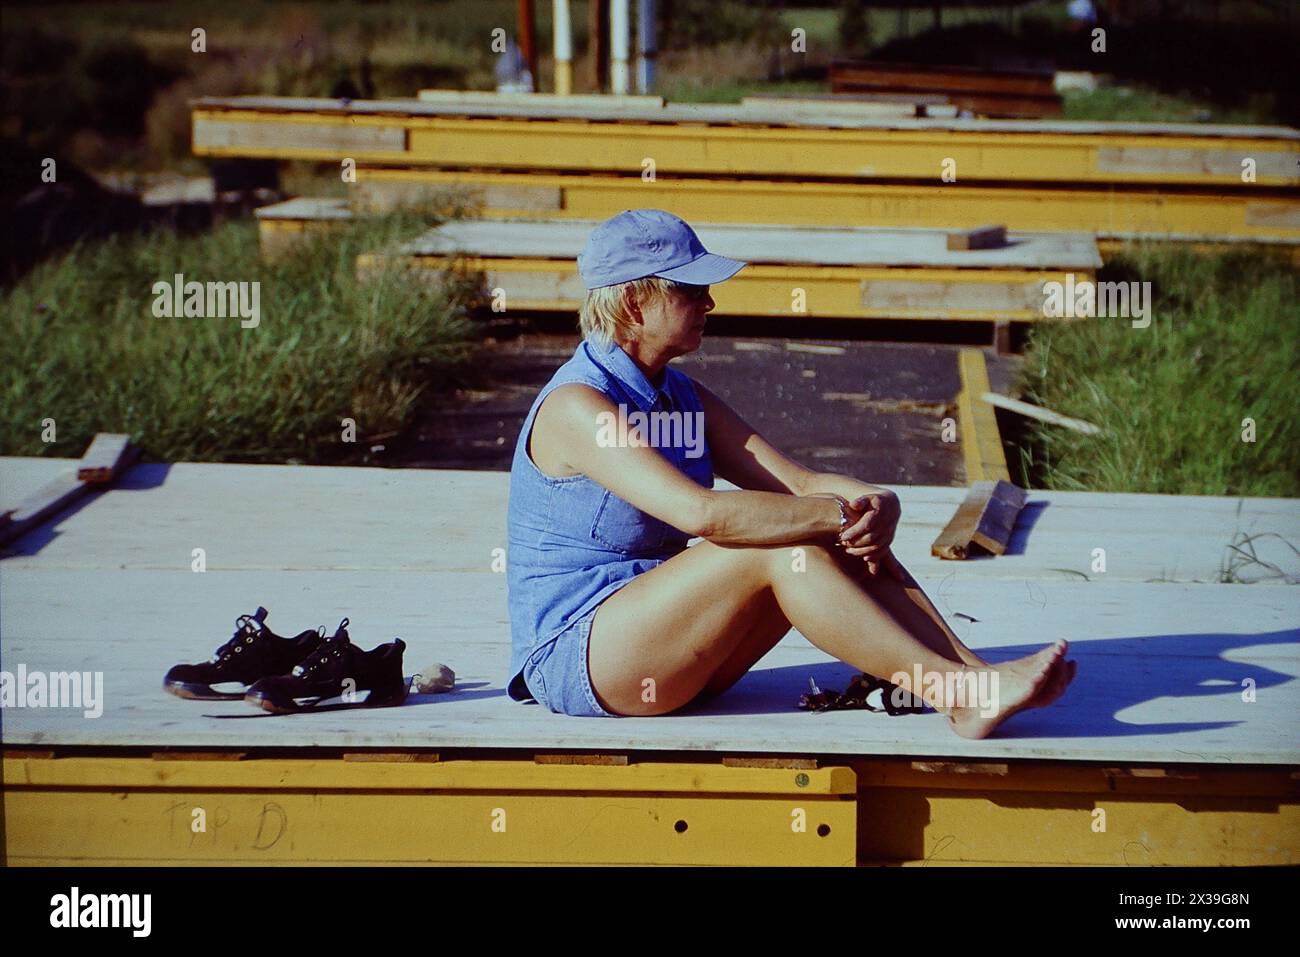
(247, 630)
(332, 647)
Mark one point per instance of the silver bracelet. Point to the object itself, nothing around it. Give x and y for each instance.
(844, 519)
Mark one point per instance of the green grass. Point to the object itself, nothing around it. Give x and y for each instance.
(684, 90)
(83, 348)
(1221, 348)
(1140, 105)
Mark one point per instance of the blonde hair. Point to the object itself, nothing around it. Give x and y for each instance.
(604, 317)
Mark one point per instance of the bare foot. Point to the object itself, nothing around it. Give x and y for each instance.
(1019, 683)
(1062, 674)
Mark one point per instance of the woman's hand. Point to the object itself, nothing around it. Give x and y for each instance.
(871, 535)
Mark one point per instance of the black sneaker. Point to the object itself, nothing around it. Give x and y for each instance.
(337, 674)
(254, 652)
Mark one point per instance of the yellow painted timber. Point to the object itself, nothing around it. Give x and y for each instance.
(769, 290)
(960, 827)
(277, 236)
(108, 810)
(1081, 814)
(740, 149)
(103, 809)
(1264, 216)
(981, 442)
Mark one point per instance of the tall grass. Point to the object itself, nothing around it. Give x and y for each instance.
(1221, 348)
(82, 347)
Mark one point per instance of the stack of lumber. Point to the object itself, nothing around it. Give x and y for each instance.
(779, 161)
(842, 272)
(982, 92)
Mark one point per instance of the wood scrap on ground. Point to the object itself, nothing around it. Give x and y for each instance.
(986, 518)
(105, 459)
(1044, 415)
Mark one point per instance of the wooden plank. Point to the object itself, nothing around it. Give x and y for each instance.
(926, 77)
(1000, 93)
(981, 441)
(981, 237)
(1135, 642)
(916, 99)
(568, 100)
(1213, 162)
(981, 104)
(179, 755)
(339, 812)
(304, 208)
(811, 111)
(50, 499)
(799, 764)
(832, 292)
(986, 518)
(763, 244)
(715, 113)
(1273, 215)
(106, 457)
(1043, 415)
(1147, 213)
(563, 289)
(389, 757)
(108, 454)
(268, 138)
(734, 142)
(1160, 537)
(915, 298)
(597, 760)
(376, 192)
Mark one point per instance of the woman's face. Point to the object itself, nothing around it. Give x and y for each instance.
(674, 323)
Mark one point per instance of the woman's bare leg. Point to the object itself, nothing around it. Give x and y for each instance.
(913, 609)
(658, 641)
(769, 627)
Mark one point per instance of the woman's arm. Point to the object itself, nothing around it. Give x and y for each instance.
(837, 484)
(643, 477)
(743, 457)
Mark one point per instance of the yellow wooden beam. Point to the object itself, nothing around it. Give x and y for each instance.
(964, 155)
(104, 809)
(981, 442)
(108, 810)
(1258, 216)
(839, 292)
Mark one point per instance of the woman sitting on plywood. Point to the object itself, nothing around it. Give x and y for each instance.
(613, 615)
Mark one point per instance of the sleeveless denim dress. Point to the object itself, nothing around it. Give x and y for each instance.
(572, 543)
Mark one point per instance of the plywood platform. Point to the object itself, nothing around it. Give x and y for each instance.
(1163, 647)
(840, 273)
(772, 245)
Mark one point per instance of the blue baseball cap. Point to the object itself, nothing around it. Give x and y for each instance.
(650, 242)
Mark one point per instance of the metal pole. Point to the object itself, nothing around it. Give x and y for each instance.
(563, 46)
(599, 23)
(646, 49)
(528, 39)
(618, 42)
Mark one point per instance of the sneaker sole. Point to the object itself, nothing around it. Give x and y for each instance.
(267, 703)
(197, 692)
